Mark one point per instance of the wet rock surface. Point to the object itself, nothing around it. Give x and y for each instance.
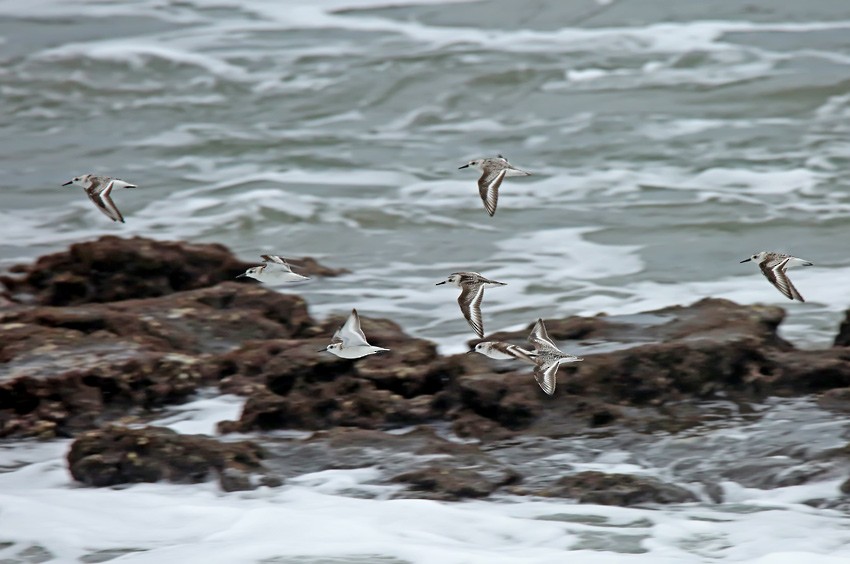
(118, 329)
(616, 489)
(64, 369)
(112, 269)
(117, 455)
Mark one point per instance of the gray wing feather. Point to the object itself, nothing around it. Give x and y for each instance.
(546, 376)
(488, 189)
(470, 305)
(539, 337)
(350, 334)
(279, 262)
(774, 271)
(99, 194)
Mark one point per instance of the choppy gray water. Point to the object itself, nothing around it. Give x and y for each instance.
(669, 140)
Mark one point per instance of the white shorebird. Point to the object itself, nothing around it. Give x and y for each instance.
(274, 271)
(493, 172)
(773, 266)
(547, 358)
(349, 340)
(503, 351)
(472, 287)
(98, 189)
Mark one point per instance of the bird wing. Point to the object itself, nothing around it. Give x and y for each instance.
(276, 260)
(98, 193)
(350, 334)
(775, 274)
(539, 337)
(546, 375)
(470, 305)
(118, 183)
(488, 189)
(521, 353)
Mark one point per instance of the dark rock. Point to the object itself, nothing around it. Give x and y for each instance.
(616, 489)
(837, 399)
(347, 401)
(112, 269)
(118, 455)
(113, 384)
(64, 369)
(707, 319)
(842, 339)
(669, 354)
(512, 400)
(292, 385)
(450, 483)
(805, 372)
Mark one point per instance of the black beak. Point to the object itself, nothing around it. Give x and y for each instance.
(746, 260)
(443, 282)
(67, 183)
(243, 275)
(470, 352)
(464, 166)
(322, 350)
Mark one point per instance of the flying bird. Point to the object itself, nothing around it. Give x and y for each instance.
(493, 172)
(274, 271)
(773, 266)
(548, 358)
(98, 189)
(349, 341)
(471, 286)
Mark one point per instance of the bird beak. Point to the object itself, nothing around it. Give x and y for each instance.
(443, 282)
(464, 166)
(746, 260)
(322, 350)
(470, 352)
(243, 275)
(67, 183)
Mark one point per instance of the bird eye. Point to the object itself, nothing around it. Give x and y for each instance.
(76, 180)
(755, 256)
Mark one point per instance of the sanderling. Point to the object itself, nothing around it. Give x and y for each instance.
(472, 287)
(349, 340)
(98, 189)
(773, 266)
(504, 351)
(548, 358)
(493, 172)
(274, 271)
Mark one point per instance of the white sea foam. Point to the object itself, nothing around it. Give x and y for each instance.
(344, 514)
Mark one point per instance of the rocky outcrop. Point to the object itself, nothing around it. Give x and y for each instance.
(117, 455)
(616, 489)
(446, 483)
(65, 369)
(120, 328)
(112, 269)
